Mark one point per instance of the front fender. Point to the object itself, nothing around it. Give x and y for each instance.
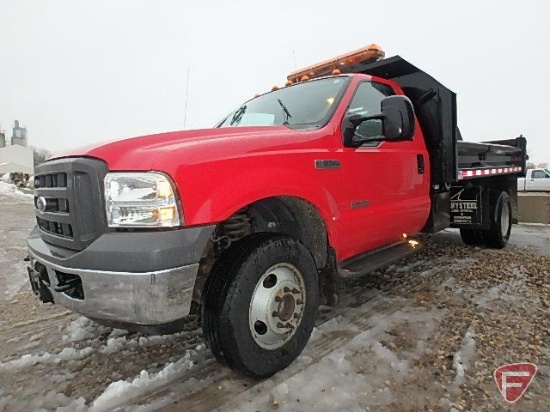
(213, 197)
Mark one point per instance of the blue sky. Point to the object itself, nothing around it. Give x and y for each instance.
(78, 72)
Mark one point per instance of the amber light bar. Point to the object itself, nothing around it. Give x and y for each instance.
(338, 64)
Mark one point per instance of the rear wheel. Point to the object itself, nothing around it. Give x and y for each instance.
(501, 222)
(260, 303)
(500, 227)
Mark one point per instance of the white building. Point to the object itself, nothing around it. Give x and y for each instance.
(16, 158)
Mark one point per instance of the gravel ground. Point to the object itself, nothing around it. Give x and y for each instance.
(426, 334)
(499, 300)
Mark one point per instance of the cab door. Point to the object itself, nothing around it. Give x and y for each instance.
(388, 182)
(540, 180)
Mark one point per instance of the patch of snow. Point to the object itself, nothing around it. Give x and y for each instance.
(462, 359)
(17, 278)
(113, 345)
(76, 405)
(118, 341)
(121, 392)
(12, 191)
(356, 376)
(82, 329)
(492, 294)
(402, 366)
(30, 360)
(332, 384)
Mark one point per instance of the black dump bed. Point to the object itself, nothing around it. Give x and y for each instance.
(435, 106)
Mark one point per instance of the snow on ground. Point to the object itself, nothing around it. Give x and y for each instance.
(462, 360)
(96, 340)
(364, 372)
(14, 270)
(16, 221)
(11, 191)
(120, 392)
(30, 360)
(83, 328)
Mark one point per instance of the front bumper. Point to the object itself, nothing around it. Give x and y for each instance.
(150, 284)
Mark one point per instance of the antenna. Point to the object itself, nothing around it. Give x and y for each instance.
(294, 57)
(186, 96)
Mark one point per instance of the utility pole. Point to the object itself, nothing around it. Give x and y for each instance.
(186, 97)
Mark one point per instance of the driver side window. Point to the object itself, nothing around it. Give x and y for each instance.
(366, 102)
(538, 174)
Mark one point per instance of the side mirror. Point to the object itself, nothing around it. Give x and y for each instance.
(397, 118)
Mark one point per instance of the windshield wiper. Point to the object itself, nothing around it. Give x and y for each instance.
(285, 110)
(238, 115)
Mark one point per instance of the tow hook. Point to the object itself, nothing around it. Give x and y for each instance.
(66, 285)
(37, 283)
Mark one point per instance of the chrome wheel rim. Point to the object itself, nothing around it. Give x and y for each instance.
(504, 219)
(277, 306)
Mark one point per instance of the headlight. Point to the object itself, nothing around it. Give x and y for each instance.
(140, 200)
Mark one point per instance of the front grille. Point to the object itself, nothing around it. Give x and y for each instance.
(51, 180)
(56, 228)
(69, 201)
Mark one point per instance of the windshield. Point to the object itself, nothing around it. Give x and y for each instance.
(304, 105)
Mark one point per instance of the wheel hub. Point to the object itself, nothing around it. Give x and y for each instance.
(286, 307)
(277, 306)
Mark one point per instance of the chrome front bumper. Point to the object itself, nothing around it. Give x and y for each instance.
(148, 298)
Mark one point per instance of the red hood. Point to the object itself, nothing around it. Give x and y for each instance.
(150, 152)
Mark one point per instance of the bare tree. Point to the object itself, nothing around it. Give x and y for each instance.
(543, 165)
(531, 165)
(41, 155)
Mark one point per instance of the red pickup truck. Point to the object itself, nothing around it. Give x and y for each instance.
(250, 225)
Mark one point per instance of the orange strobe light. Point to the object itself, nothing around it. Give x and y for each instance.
(366, 54)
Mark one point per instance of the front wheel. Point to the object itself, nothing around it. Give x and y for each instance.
(260, 303)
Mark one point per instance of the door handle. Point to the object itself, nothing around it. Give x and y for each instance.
(420, 163)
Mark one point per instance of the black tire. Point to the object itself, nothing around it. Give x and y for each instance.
(229, 299)
(473, 237)
(501, 222)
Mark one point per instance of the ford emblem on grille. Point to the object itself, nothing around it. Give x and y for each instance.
(41, 204)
